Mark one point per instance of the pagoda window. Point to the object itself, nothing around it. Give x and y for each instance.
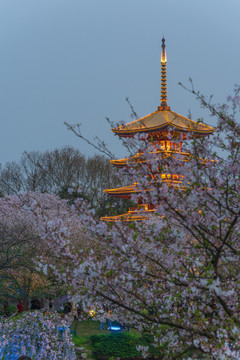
(167, 145)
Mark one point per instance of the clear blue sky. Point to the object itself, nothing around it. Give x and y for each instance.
(77, 60)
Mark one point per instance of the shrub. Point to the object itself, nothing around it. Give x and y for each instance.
(120, 345)
(11, 309)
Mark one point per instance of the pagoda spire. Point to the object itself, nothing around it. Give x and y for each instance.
(163, 78)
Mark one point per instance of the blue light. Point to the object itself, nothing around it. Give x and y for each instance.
(115, 328)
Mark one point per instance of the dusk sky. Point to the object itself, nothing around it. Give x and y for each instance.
(77, 60)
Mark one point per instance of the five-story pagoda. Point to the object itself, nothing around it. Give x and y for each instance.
(160, 127)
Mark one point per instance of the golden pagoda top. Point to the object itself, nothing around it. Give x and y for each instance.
(163, 118)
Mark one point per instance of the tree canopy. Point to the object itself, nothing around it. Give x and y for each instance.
(175, 275)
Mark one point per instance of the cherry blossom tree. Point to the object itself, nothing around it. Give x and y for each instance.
(22, 246)
(37, 335)
(175, 275)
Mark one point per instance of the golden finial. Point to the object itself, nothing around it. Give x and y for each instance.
(163, 52)
(163, 78)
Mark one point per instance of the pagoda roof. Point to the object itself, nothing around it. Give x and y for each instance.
(138, 158)
(163, 119)
(124, 191)
(125, 217)
(133, 214)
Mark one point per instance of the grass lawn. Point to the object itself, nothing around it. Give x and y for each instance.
(87, 328)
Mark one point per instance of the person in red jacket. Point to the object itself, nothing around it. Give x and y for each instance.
(20, 306)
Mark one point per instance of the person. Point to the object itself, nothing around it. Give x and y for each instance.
(20, 306)
(79, 309)
(109, 323)
(92, 312)
(23, 357)
(67, 307)
(101, 326)
(74, 311)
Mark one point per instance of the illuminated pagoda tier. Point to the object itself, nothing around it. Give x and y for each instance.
(160, 127)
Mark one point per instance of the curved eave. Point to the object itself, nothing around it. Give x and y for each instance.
(128, 217)
(139, 158)
(125, 191)
(163, 120)
(156, 129)
(125, 218)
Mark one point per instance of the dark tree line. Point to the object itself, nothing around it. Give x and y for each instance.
(56, 170)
